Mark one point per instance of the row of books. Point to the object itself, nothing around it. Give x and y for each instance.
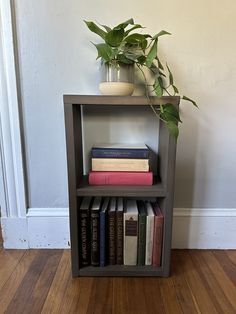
(120, 231)
(120, 164)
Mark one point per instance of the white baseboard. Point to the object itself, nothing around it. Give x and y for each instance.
(195, 228)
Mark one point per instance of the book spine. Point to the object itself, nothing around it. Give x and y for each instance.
(120, 178)
(119, 237)
(112, 164)
(112, 244)
(120, 153)
(130, 239)
(95, 238)
(141, 239)
(157, 241)
(84, 235)
(102, 239)
(149, 240)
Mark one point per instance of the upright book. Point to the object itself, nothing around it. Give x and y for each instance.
(130, 233)
(112, 231)
(119, 231)
(142, 215)
(149, 234)
(95, 258)
(137, 151)
(120, 178)
(84, 221)
(103, 232)
(157, 235)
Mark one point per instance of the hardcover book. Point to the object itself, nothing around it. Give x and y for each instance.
(95, 257)
(120, 178)
(141, 232)
(112, 231)
(103, 232)
(130, 233)
(119, 231)
(137, 151)
(120, 164)
(149, 234)
(84, 219)
(157, 236)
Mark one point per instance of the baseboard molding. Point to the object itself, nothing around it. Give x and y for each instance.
(195, 228)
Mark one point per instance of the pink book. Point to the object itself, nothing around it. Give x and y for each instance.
(120, 178)
(157, 235)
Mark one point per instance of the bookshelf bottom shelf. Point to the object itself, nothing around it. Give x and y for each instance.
(121, 271)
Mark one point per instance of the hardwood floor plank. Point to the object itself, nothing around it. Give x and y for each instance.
(24, 291)
(8, 262)
(86, 285)
(214, 288)
(169, 297)
(40, 291)
(228, 266)
(152, 294)
(56, 292)
(11, 285)
(101, 296)
(226, 284)
(182, 290)
(193, 279)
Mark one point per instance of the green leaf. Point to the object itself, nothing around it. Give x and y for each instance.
(133, 28)
(114, 37)
(158, 87)
(168, 117)
(107, 28)
(125, 24)
(161, 33)
(95, 29)
(175, 89)
(135, 38)
(154, 68)
(104, 51)
(171, 79)
(159, 64)
(122, 59)
(172, 110)
(152, 54)
(192, 101)
(141, 60)
(173, 128)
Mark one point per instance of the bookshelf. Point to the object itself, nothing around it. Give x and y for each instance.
(163, 187)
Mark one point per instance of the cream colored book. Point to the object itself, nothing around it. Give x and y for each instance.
(149, 234)
(130, 233)
(120, 164)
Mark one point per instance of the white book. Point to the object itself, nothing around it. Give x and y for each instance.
(130, 233)
(149, 234)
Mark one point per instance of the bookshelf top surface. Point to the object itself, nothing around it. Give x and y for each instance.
(118, 100)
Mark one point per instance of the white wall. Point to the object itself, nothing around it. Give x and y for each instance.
(56, 57)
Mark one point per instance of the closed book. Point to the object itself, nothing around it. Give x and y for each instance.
(112, 231)
(120, 178)
(103, 232)
(130, 233)
(120, 164)
(139, 151)
(157, 235)
(142, 214)
(119, 231)
(95, 257)
(149, 234)
(84, 223)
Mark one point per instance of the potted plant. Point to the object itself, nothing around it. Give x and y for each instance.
(123, 48)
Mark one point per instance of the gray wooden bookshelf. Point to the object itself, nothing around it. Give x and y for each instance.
(163, 187)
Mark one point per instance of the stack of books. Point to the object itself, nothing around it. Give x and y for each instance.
(119, 231)
(120, 164)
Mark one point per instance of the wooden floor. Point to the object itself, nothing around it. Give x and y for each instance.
(39, 281)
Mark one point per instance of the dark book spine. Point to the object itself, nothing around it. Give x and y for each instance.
(95, 238)
(112, 238)
(102, 239)
(84, 236)
(141, 239)
(119, 237)
(120, 153)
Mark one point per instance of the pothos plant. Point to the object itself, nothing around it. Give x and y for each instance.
(124, 44)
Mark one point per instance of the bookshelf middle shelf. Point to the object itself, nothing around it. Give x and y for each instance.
(155, 190)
